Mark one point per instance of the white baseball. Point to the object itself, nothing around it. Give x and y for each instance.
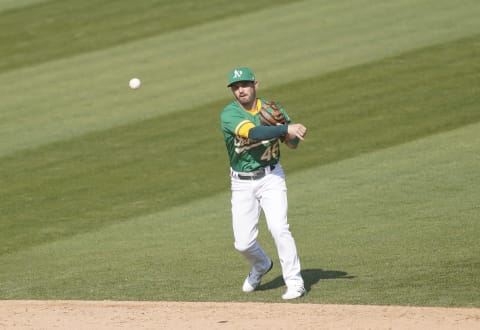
(134, 83)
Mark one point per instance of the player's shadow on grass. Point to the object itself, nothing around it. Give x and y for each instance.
(310, 277)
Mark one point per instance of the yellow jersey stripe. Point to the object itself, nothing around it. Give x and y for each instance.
(243, 128)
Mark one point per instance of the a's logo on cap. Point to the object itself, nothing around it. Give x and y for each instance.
(237, 73)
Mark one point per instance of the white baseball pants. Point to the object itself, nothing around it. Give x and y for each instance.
(249, 197)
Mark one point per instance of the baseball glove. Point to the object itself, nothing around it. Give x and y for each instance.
(271, 115)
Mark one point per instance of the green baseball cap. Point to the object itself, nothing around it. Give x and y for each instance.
(240, 74)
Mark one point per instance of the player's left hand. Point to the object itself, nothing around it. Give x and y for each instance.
(271, 115)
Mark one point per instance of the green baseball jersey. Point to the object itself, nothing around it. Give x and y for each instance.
(246, 155)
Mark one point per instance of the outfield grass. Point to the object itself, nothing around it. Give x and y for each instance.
(396, 226)
(108, 193)
(185, 68)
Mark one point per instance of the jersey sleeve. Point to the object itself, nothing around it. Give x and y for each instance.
(243, 129)
(236, 124)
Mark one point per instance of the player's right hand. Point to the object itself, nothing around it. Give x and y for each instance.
(297, 130)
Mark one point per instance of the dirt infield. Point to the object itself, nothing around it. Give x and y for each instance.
(179, 315)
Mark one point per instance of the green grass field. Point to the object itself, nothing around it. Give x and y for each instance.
(108, 193)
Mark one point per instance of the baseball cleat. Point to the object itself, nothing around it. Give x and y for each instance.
(294, 292)
(253, 281)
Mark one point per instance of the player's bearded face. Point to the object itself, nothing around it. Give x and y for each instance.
(244, 92)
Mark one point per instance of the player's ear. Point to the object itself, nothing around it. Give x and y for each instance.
(255, 84)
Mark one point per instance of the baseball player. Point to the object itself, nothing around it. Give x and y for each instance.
(258, 182)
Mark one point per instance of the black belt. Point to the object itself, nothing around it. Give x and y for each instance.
(256, 174)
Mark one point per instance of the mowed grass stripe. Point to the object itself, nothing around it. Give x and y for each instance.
(388, 102)
(50, 30)
(393, 227)
(17, 4)
(83, 184)
(402, 221)
(73, 96)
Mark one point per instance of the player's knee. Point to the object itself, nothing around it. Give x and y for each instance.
(243, 247)
(280, 231)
